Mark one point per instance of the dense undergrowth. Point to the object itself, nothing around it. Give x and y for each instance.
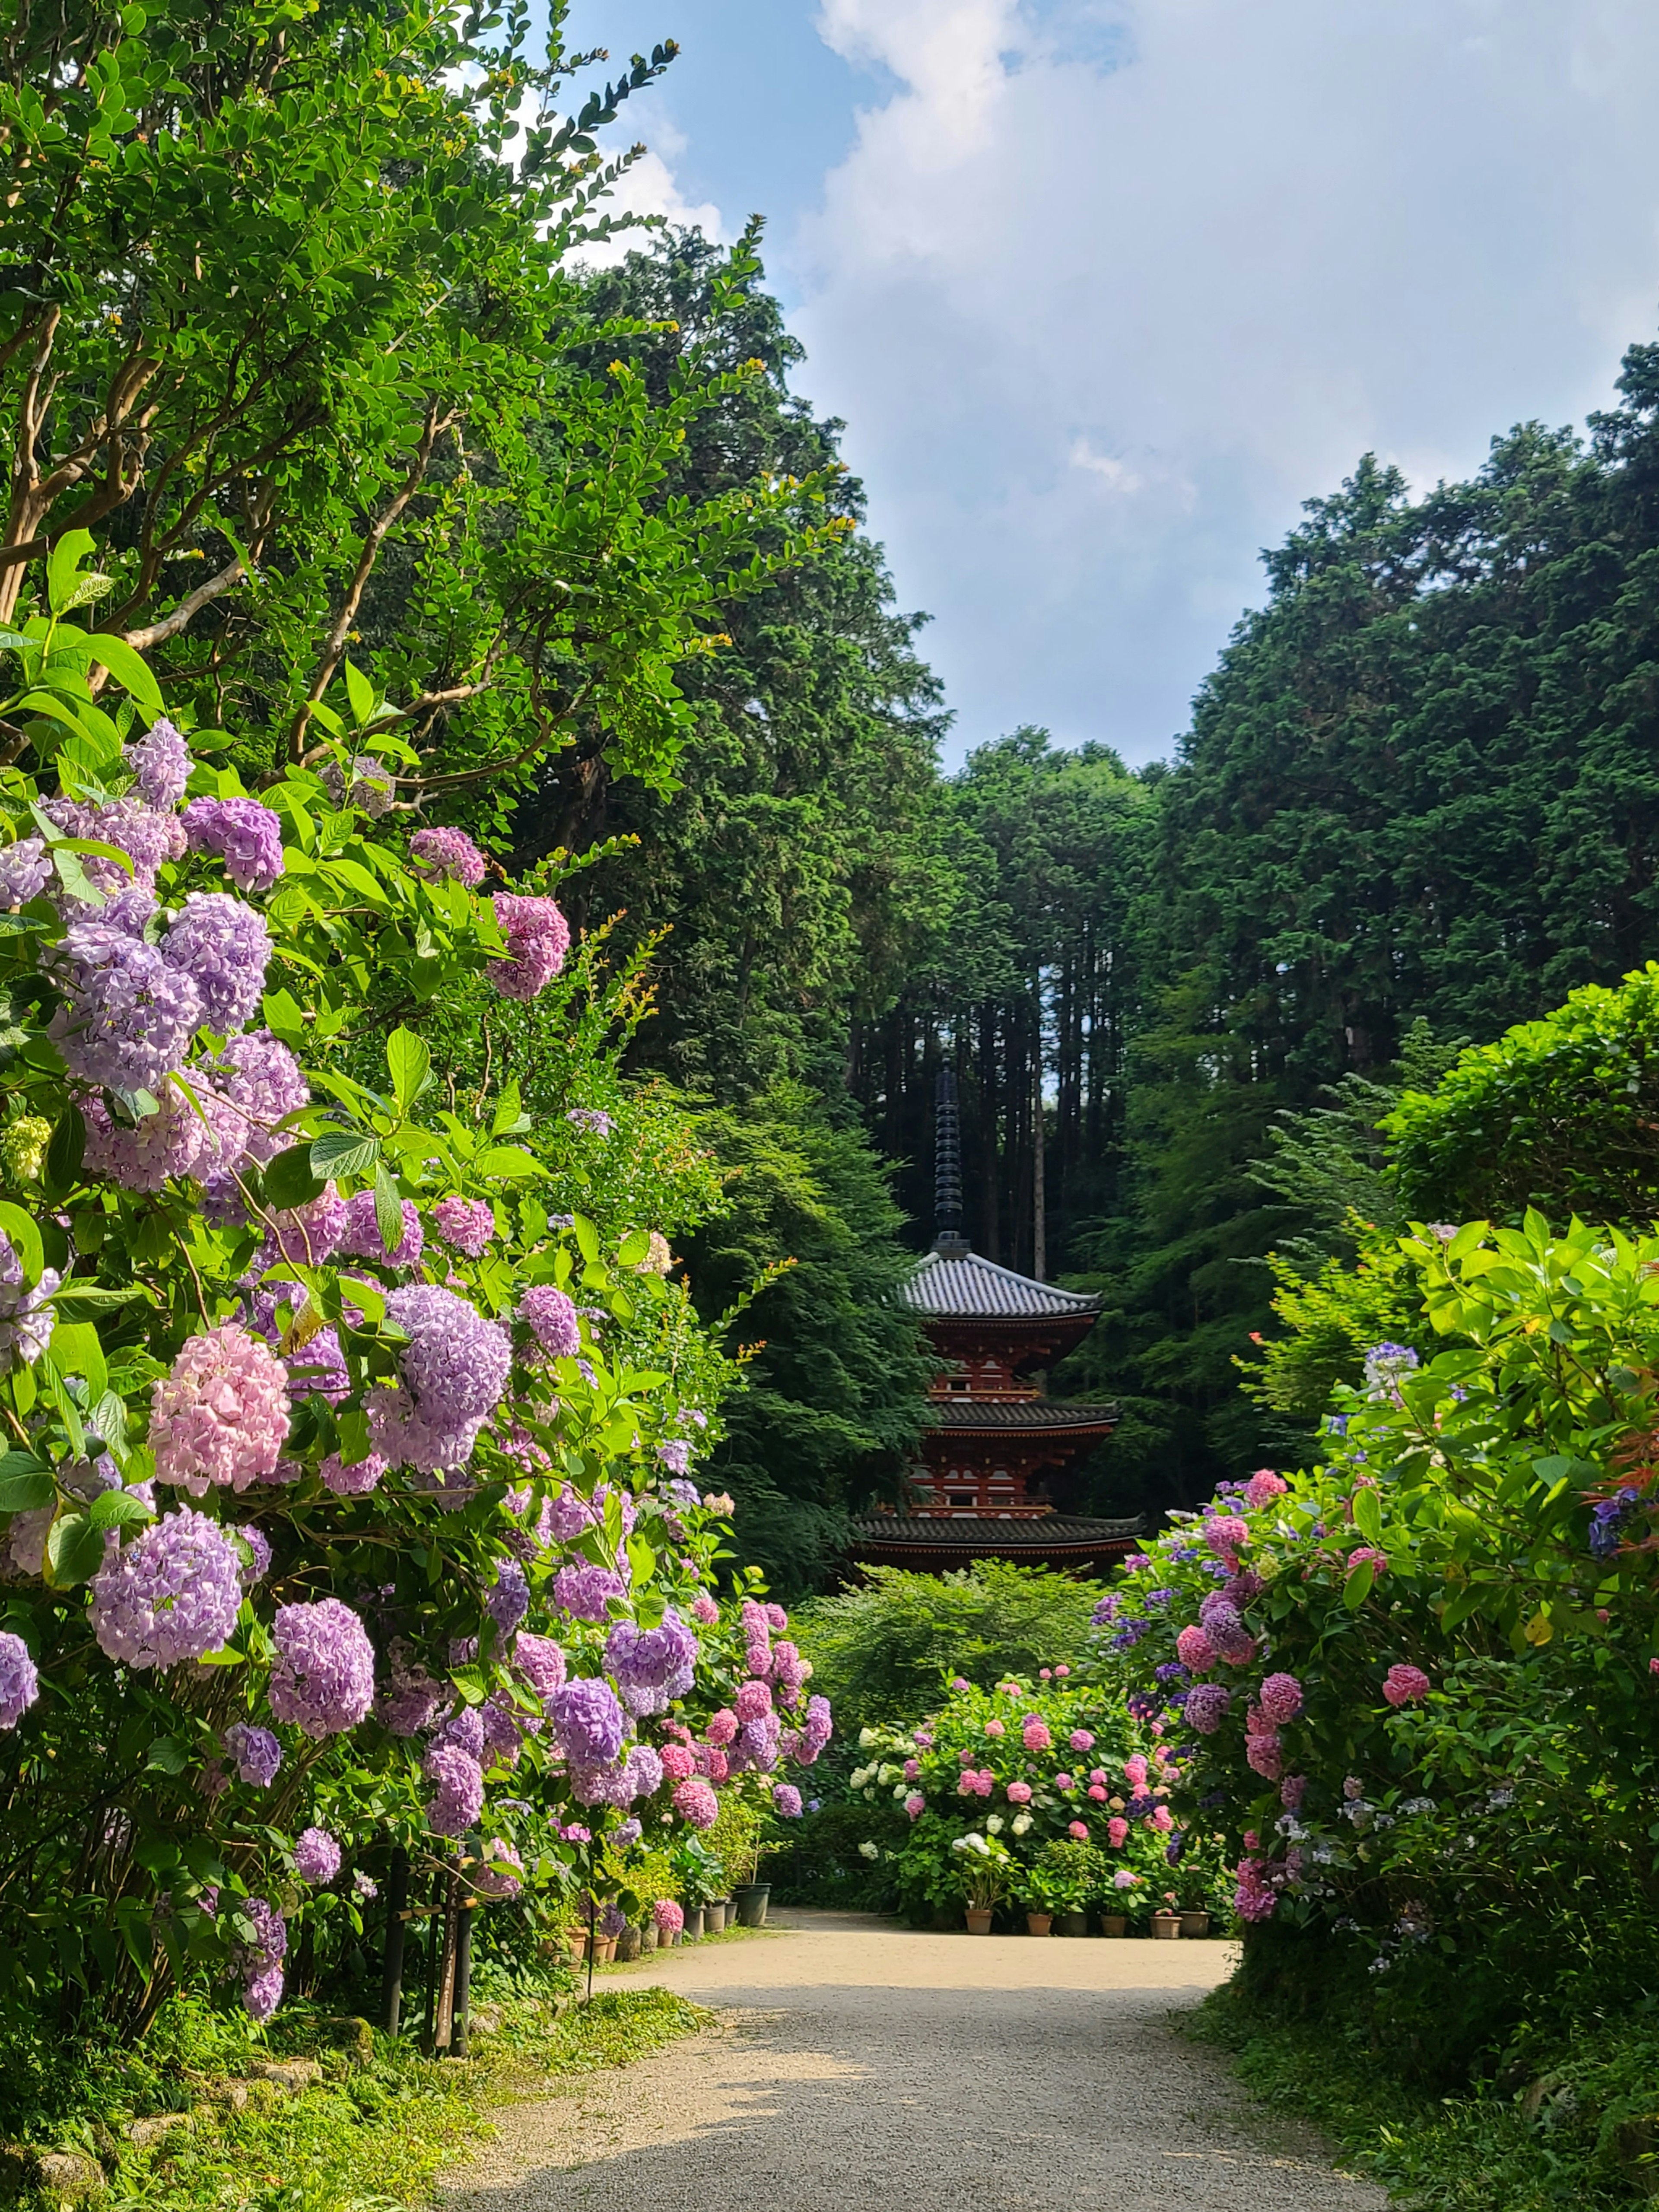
(369, 2137)
(1562, 2109)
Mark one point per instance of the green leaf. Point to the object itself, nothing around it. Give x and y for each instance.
(510, 1119)
(634, 1247)
(167, 1756)
(97, 1298)
(1358, 1587)
(25, 1483)
(76, 1350)
(284, 1017)
(344, 1152)
(290, 1180)
(25, 1238)
(408, 1061)
(388, 1209)
(62, 566)
(509, 1162)
(74, 1550)
(642, 1559)
(130, 669)
(113, 1508)
(1368, 1514)
(587, 1238)
(67, 1149)
(361, 693)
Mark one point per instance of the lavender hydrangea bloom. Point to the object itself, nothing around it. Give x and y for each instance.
(608, 1784)
(786, 1801)
(403, 1436)
(645, 1771)
(303, 1236)
(507, 1600)
(362, 1234)
(503, 1737)
(163, 763)
(541, 1661)
(324, 1678)
(568, 1514)
(652, 1667)
(262, 1995)
(459, 1798)
(259, 1544)
(552, 1319)
(20, 1685)
(146, 837)
(26, 1319)
(537, 938)
(261, 1079)
(130, 1015)
(413, 1699)
(594, 1118)
(457, 1363)
(25, 871)
(316, 1856)
(1207, 1707)
(246, 836)
(676, 1456)
(436, 853)
(588, 1723)
(585, 1593)
(184, 1137)
(466, 1731)
(257, 1753)
(266, 1946)
(172, 1594)
(465, 1224)
(356, 1480)
(224, 946)
(373, 786)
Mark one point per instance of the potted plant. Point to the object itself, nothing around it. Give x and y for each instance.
(1073, 1869)
(746, 1851)
(1114, 1899)
(699, 1876)
(1041, 1893)
(983, 1878)
(1166, 1920)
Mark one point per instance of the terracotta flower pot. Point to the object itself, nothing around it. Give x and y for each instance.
(1195, 1923)
(577, 1939)
(1114, 1923)
(1038, 1923)
(979, 1919)
(1166, 1925)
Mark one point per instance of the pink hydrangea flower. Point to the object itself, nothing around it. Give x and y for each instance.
(912, 1769)
(1226, 1535)
(695, 1802)
(1281, 1698)
(1161, 1818)
(994, 1728)
(915, 1805)
(1292, 1790)
(1080, 1740)
(1060, 1673)
(960, 1682)
(1135, 1769)
(722, 1726)
(1195, 1651)
(1062, 1782)
(1117, 1834)
(1035, 1734)
(1263, 1485)
(1079, 1830)
(1404, 1684)
(1097, 1792)
(704, 1609)
(1263, 1756)
(1019, 1793)
(1367, 1555)
(221, 1416)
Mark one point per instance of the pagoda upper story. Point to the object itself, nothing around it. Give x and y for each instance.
(993, 1441)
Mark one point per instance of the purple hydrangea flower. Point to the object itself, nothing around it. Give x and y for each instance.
(303, 1236)
(316, 1857)
(25, 871)
(537, 938)
(786, 1801)
(259, 1544)
(552, 1318)
(257, 1753)
(354, 1481)
(184, 1137)
(403, 1436)
(466, 1729)
(224, 946)
(541, 1661)
(652, 1667)
(1207, 1706)
(261, 1079)
(594, 1118)
(413, 1699)
(459, 1798)
(443, 852)
(373, 786)
(507, 1600)
(588, 1723)
(645, 1771)
(172, 1594)
(161, 762)
(246, 836)
(129, 1014)
(324, 1678)
(457, 1363)
(27, 1318)
(362, 1234)
(584, 1592)
(465, 1224)
(20, 1683)
(146, 837)
(262, 1993)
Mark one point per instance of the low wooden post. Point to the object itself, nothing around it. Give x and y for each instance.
(463, 1975)
(397, 1931)
(434, 1939)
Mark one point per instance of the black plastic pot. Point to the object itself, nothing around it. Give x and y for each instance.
(748, 1903)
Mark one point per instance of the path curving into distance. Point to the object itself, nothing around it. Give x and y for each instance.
(860, 2065)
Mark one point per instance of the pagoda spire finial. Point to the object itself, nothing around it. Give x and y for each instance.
(949, 1241)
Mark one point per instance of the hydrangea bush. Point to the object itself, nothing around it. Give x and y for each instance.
(1416, 1685)
(349, 1491)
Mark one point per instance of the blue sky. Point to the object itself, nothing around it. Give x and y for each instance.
(1104, 288)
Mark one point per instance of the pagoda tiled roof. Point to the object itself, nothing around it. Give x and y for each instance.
(966, 1287)
(1029, 1416)
(991, 1532)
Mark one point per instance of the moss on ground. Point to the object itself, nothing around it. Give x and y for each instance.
(371, 2136)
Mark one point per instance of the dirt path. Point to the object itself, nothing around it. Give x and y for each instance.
(859, 2065)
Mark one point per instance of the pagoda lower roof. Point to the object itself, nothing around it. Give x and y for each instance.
(1017, 1416)
(992, 1533)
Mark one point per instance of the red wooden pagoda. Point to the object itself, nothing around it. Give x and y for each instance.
(995, 1449)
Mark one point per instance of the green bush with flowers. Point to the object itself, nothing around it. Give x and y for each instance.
(346, 1508)
(1416, 1686)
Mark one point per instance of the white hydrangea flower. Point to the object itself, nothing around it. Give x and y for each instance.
(867, 1737)
(1022, 1822)
(993, 1826)
(869, 1851)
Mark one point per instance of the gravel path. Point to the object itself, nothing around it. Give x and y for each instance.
(858, 2065)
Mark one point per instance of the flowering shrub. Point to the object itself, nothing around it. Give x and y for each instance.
(1415, 1684)
(439, 1574)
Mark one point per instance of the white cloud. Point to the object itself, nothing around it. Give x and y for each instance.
(1105, 289)
(649, 187)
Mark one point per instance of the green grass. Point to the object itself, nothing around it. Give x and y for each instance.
(371, 2137)
(1582, 2133)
